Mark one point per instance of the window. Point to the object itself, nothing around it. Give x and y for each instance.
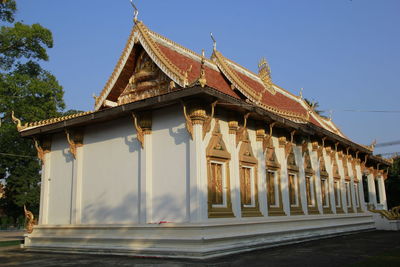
(324, 192)
(348, 194)
(274, 194)
(218, 183)
(310, 191)
(247, 186)
(293, 184)
(357, 195)
(272, 188)
(293, 190)
(219, 193)
(248, 179)
(337, 193)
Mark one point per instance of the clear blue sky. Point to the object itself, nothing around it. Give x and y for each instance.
(344, 53)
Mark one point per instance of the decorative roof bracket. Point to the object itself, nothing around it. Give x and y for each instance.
(207, 122)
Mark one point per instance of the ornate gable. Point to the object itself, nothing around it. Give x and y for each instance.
(216, 147)
(307, 163)
(147, 80)
(291, 161)
(270, 157)
(246, 152)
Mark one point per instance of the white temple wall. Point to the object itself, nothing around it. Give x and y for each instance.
(60, 182)
(170, 171)
(110, 173)
(317, 178)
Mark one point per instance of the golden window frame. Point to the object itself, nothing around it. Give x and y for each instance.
(216, 152)
(248, 160)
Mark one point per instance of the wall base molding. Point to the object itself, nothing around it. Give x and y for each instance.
(196, 241)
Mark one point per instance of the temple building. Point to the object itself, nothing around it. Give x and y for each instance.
(188, 156)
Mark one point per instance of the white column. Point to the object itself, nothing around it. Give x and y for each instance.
(382, 192)
(145, 180)
(372, 190)
(361, 188)
(280, 154)
(329, 169)
(262, 185)
(317, 182)
(77, 165)
(235, 177)
(44, 189)
(197, 187)
(302, 180)
(342, 183)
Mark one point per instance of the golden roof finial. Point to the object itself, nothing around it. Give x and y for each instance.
(264, 72)
(301, 92)
(16, 120)
(202, 79)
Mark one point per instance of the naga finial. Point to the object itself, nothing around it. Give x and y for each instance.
(301, 92)
(135, 12)
(16, 120)
(30, 220)
(214, 42)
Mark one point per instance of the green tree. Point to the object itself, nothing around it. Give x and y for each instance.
(315, 106)
(33, 94)
(392, 184)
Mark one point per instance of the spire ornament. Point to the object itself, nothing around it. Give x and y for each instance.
(16, 121)
(202, 79)
(214, 42)
(264, 72)
(135, 12)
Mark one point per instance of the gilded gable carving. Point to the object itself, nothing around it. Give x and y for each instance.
(216, 147)
(307, 163)
(270, 157)
(147, 81)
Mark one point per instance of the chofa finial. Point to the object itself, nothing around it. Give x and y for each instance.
(214, 42)
(135, 12)
(16, 120)
(301, 92)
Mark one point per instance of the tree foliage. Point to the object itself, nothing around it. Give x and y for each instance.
(33, 94)
(392, 184)
(315, 106)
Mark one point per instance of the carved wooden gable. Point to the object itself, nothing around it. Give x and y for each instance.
(246, 152)
(322, 166)
(147, 81)
(291, 160)
(270, 157)
(336, 173)
(345, 167)
(307, 163)
(216, 147)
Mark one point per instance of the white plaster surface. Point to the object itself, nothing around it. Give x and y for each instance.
(170, 190)
(110, 173)
(60, 183)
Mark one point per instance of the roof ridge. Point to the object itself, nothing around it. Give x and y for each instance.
(180, 46)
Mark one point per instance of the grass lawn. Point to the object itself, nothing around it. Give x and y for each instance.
(10, 243)
(388, 258)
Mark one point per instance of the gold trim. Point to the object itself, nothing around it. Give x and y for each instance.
(207, 122)
(29, 220)
(235, 79)
(74, 140)
(216, 151)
